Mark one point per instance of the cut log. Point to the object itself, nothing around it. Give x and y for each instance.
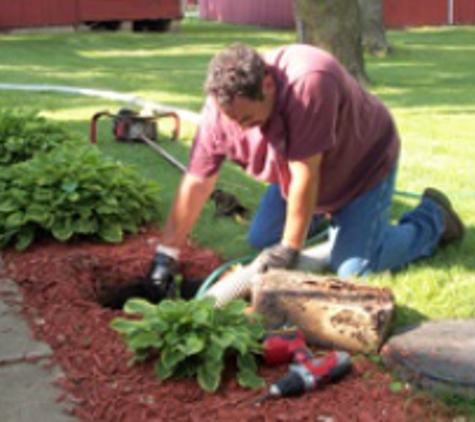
(332, 313)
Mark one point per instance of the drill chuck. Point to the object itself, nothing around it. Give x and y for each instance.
(294, 383)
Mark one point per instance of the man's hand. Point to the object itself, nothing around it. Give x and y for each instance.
(278, 256)
(161, 276)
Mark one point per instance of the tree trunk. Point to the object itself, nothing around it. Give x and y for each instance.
(330, 312)
(336, 26)
(374, 31)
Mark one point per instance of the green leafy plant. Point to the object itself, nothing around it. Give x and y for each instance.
(194, 338)
(24, 133)
(73, 192)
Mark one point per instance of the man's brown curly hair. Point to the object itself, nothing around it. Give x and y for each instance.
(236, 71)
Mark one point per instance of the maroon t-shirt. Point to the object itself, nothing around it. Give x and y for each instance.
(320, 109)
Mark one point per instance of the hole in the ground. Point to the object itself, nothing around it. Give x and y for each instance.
(115, 296)
(110, 282)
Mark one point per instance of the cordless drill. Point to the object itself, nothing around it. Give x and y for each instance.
(306, 372)
(310, 375)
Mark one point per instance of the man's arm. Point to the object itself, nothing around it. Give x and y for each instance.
(187, 206)
(301, 203)
(189, 201)
(302, 198)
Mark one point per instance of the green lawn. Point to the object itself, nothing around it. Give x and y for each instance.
(428, 84)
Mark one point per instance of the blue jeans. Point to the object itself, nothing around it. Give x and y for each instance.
(362, 239)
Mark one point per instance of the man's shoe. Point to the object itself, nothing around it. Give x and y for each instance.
(454, 229)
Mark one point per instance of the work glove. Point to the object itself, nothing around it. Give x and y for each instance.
(161, 276)
(278, 256)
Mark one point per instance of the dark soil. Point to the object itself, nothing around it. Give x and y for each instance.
(61, 284)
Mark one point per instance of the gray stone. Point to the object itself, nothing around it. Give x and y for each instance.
(435, 355)
(17, 342)
(27, 395)
(26, 390)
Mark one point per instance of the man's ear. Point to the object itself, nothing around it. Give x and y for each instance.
(268, 84)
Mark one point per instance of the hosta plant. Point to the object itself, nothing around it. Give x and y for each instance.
(194, 339)
(24, 133)
(70, 193)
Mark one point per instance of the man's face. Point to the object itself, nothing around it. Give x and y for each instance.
(249, 113)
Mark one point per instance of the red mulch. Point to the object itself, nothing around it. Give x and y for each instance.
(60, 284)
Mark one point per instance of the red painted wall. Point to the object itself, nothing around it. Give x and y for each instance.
(30, 13)
(401, 13)
(20, 13)
(277, 13)
(464, 12)
(127, 9)
(397, 13)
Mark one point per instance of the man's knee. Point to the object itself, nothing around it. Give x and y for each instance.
(361, 267)
(351, 267)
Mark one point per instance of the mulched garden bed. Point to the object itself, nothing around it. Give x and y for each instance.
(61, 284)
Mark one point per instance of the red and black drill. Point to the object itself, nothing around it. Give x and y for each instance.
(306, 372)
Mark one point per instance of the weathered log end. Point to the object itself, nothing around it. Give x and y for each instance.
(332, 313)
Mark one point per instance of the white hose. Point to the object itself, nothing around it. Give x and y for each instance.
(110, 95)
(238, 284)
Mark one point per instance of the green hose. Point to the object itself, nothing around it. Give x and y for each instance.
(406, 194)
(219, 271)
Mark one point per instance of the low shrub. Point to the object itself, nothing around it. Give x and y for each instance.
(73, 192)
(194, 338)
(23, 134)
